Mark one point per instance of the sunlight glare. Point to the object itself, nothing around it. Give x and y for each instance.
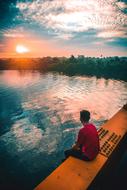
(22, 49)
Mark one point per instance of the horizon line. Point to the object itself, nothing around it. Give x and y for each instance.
(61, 57)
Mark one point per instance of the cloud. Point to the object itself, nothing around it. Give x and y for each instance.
(65, 18)
(16, 35)
(121, 5)
(112, 34)
(17, 32)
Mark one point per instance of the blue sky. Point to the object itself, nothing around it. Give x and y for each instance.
(63, 27)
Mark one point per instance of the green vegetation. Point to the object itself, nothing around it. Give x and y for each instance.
(110, 67)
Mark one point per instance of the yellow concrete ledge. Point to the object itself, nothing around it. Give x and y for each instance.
(75, 174)
(72, 174)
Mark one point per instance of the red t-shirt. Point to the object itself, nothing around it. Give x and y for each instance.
(89, 140)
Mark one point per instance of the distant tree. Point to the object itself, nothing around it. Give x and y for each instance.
(72, 59)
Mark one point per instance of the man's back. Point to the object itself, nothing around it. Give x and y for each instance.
(88, 138)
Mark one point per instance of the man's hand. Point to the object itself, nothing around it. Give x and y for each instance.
(76, 146)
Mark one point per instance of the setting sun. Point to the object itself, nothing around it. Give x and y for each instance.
(22, 49)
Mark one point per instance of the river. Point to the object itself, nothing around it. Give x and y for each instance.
(39, 119)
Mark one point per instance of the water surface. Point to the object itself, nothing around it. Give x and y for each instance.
(39, 119)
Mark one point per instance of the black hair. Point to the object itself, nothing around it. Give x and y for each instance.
(84, 116)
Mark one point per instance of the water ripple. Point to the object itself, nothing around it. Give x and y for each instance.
(39, 115)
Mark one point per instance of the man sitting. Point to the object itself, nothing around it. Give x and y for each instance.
(87, 145)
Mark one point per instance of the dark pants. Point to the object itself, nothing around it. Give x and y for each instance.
(76, 154)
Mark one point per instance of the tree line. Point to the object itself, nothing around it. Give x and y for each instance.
(107, 67)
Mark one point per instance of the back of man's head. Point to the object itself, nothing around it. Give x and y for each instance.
(84, 116)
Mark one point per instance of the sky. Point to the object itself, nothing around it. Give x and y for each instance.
(39, 28)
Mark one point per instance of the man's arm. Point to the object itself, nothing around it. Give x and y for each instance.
(79, 141)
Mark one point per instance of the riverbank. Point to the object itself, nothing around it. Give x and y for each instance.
(110, 67)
